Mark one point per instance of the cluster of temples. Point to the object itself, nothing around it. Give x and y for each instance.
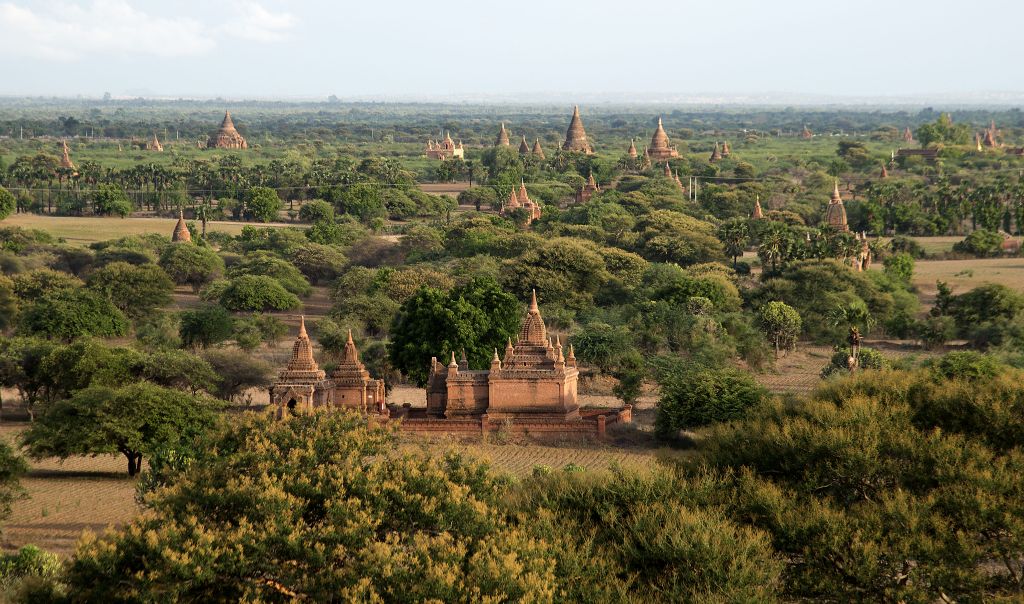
(445, 148)
(303, 387)
(521, 200)
(532, 385)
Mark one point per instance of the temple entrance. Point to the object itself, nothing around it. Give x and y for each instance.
(292, 404)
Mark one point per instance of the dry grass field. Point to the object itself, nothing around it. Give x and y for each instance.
(963, 275)
(85, 230)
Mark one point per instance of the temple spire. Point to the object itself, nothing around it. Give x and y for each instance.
(533, 301)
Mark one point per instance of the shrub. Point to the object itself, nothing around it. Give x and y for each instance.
(696, 396)
(980, 243)
(257, 293)
(193, 265)
(318, 209)
(263, 204)
(111, 200)
(205, 326)
(71, 313)
(7, 203)
(900, 266)
(867, 358)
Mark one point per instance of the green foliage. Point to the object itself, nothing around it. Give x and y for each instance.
(267, 264)
(71, 313)
(191, 265)
(319, 263)
(432, 529)
(132, 420)
(943, 131)
(907, 245)
(12, 468)
(21, 570)
(666, 236)
(867, 358)
(111, 200)
(477, 317)
(33, 284)
(316, 210)
(981, 243)
(135, 290)
(694, 396)
(205, 326)
(8, 303)
(257, 293)
(781, 324)
(236, 372)
(263, 204)
(7, 203)
(900, 266)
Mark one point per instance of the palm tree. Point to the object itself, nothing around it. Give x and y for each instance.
(735, 235)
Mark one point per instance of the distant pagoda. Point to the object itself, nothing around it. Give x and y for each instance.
(631, 152)
(806, 134)
(660, 148)
(884, 173)
(181, 233)
(989, 140)
(726, 151)
(908, 136)
(576, 136)
(65, 156)
(227, 137)
(758, 212)
(502, 140)
(716, 154)
(154, 145)
(835, 213)
(524, 147)
(444, 149)
(538, 151)
(588, 190)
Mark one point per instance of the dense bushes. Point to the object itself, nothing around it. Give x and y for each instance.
(694, 396)
(256, 293)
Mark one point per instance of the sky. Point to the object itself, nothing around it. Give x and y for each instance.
(451, 50)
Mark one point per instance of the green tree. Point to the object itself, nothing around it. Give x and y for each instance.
(694, 396)
(133, 420)
(135, 290)
(263, 204)
(205, 326)
(316, 210)
(111, 200)
(7, 203)
(735, 236)
(900, 266)
(478, 318)
(71, 313)
(236, 371)
(981, 243)
(267, 264)
(12, 468)
(191, 264)
(781, 324)
(257, 293)
(319, 263)
(8, 303)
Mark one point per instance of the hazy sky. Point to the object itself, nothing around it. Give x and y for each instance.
(448, 49)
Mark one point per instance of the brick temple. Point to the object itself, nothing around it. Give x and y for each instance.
(660, 148)
(576, 136)
(445, 148)
(227, 137)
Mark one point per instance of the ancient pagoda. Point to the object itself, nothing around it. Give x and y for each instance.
(726, 151)
(806, 134)
(835, 213)
(502, 140)
(301, 386)
(445, 148)
(524, 147)
(758, 212)
(908, 136)
(227, 137)
(65, 156)
(631, 152)
(989, 140)
(660, 148)
(576, 136)
(181, 233)
(587, 191)
(154, 145)
(668, 170)
(521, 199)
(884, 173)
(716, 154)
(352, 386)
(534, 379)
(538, 151)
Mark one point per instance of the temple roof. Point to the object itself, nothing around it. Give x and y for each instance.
(65, 158)
(350, 367)
(302, 366)
(908, 136)
(533, 332)
(758, 212)
(632, 149)
(227, 137)
(575, 135)
(181, 233)
(523, 196)
(537, 149)
(502, 137)
(524, 147)
(835, 213)
(660, 139)
(884, 173)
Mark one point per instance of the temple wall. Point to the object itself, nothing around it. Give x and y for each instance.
(466, 397)
(525, 396)
(350, 397)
